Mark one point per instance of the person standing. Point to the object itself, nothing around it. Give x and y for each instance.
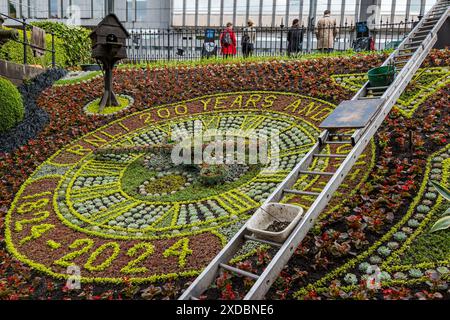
(248, 39)
(295, 38)
(228, 41)
(326, 32)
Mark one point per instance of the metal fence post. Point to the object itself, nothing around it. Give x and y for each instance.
(25, 41)
(168, 44)
(281, 38)
(53, 51)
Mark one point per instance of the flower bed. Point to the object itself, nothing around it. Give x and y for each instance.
(68, 205)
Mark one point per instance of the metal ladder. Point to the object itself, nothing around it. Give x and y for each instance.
(407, 58)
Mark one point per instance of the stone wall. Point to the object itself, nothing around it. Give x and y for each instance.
(17, 73)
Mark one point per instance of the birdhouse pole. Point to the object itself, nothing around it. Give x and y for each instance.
(109, 47)
(109, 98)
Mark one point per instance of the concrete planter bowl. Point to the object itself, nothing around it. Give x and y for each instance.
(264, 217)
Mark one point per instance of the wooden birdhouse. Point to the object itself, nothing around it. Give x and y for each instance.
(109, 37)
(109, 46)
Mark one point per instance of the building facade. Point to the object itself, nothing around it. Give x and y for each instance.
(179, 13)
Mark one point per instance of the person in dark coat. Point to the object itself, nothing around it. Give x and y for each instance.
(228, 41)
(295, 38)
(248, 39)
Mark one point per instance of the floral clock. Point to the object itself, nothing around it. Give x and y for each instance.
(137, 216)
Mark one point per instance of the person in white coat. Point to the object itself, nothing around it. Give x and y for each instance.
(326, 32)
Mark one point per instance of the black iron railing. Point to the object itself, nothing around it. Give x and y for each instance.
(24, 27)
(187, 43)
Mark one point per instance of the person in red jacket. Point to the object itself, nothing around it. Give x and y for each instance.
(228, 41)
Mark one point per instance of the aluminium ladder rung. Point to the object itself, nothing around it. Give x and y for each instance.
(323, 155)
(404, 55)
(432, 20)
(427, 28)
(378, 88)
(414, 41)
(239, 271)
(429, 23)
(412, 45)
(271, 243)
(338, 142)
(302, 193)
(424, 31)
(317, 173)
(367, 98)
(440, 7)
(339, 135)
(410, 48)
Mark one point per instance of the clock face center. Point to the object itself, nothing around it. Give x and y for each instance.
(136, 188)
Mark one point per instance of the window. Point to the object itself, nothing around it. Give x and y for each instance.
(267, 12)
(385, 12)
(85, 7)
(54, 12)
(350, 11)
(294, 11)
(241, 12)
(202, 12)
(215, 12)
(228, 8)
(280, 12)
(190, 12)
(109, 6)
(98, 9)
(130, 11)
(177, 12)
(12, 9)
(400, 11)
(141, 10)
(322, 5)
(254, 10)
(335, 9)
(305, 12)
(40, 9)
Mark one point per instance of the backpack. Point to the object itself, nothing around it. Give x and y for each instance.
(226, 39)
(245, 38)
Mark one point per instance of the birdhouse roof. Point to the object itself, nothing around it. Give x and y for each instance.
(110, 20)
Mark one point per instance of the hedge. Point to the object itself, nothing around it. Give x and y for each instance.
(77, 43)
(11, 106)
(35, 118)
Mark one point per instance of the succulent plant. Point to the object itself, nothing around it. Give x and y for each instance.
(351, 278)
(384, 251)
(400, 236)
(413, 223)
(423, 209)
(442, 270)
(431, 195)
(400, 276)
(384, 276)
(415, 273)
(364, 266)
(375, 260)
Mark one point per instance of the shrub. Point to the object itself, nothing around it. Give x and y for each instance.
(77, 44)
(13, 51)
(12, 110)
(35, 118)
